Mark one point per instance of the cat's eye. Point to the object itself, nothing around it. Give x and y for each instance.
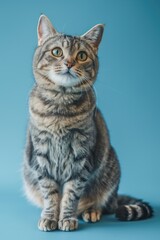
(57, 52)
(82, 56)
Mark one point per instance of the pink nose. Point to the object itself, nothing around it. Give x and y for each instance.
(69, 64)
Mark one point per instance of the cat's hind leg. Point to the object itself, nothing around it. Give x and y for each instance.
(89, 210)
(92, 215)
(92, 206)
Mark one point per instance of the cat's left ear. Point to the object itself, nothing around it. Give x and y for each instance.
(94, 35)
(44, 29)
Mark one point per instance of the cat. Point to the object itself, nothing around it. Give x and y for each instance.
(70, 168)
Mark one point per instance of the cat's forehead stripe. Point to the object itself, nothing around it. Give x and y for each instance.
(70, 42)
(50, 41)
(66, 41)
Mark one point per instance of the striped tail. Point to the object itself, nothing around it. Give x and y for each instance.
(132, 209)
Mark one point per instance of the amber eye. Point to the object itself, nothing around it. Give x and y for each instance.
(57, 52)
(82, 56)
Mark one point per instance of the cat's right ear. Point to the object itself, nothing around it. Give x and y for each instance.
(44, 29)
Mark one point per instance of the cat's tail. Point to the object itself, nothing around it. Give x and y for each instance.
(131, 209)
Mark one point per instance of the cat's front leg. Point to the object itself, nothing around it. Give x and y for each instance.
(50, 212)
(68, 208)
(48, 188)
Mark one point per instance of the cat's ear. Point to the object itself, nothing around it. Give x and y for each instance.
(94, 35)
(44, 29)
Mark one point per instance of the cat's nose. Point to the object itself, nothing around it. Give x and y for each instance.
(69, 63)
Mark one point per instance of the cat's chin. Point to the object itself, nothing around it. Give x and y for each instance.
(65, 80)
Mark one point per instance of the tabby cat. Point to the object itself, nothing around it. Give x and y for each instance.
(70, 168)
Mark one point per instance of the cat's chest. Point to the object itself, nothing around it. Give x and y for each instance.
(53, 115)
(60, 156)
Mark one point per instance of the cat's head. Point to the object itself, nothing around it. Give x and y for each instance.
(66, 61)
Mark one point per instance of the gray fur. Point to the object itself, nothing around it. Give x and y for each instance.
(70, 167)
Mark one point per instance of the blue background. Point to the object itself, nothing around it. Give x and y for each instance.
(128, 93)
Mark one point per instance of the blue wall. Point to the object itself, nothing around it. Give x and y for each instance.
(128, 84)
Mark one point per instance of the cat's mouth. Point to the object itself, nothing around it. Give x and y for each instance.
(65, 78)
(69, 73)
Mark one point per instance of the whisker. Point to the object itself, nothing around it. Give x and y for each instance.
(58, 68)
(78, 72)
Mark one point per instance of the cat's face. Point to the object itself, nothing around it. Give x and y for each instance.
(63, 60)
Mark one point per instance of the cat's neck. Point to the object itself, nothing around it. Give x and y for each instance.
(65, 96)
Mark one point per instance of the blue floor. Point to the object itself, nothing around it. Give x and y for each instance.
(18, 220)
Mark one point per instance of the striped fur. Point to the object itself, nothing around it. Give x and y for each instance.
(131, 209)
(70, 167)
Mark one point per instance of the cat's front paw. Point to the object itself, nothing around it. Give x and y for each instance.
(68, 224)
(47, 225)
